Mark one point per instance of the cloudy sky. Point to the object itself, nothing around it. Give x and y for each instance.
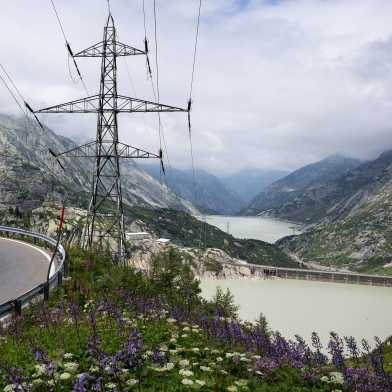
(278, 84)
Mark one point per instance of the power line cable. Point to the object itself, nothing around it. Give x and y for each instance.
(68, 46)
(149, 72)
(13, 95)
(157, 85)
(26, 105)
(59, 21)
(12, 82)
(195, 49)
(196, 190)
(154, 90)
(25, 113)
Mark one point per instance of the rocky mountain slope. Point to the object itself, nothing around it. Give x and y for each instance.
(28, 176)
(210, 194)
(183, 230)
(356, 230)
(248, 183)
(306, 194)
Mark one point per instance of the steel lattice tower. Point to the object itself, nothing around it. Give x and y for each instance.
(104, 227)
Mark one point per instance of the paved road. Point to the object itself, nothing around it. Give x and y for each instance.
(22, 266)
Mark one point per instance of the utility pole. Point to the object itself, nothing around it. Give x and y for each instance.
(104, 227)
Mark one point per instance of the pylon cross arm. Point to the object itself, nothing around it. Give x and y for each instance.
(131, 105)
(114, 49)
(108, 149)
(84, 105)
(123, 105)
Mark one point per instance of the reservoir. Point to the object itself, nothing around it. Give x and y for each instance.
(301, 307)
(258, 228)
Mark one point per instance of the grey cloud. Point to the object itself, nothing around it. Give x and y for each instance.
(277, 85)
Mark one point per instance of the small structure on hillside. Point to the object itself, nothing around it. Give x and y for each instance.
(139, 236)
(163, 241)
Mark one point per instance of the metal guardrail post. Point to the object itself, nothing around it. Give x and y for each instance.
(66, 266)
(46, 291)
(18, 307)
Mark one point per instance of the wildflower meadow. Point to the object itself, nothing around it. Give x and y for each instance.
(111, 328)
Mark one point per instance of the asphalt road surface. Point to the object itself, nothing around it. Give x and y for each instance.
(22, 267)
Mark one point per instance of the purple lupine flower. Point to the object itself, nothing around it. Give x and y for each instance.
(352, 347)
(319, 358)
(336, 349)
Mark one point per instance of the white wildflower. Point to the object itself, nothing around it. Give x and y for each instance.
(187, 381)
(337, 377)
(40, 370)
(132, 382)
(65, 376)
(70, 367)
(185, 372)
(200, 382)
(241, 383)
(183, 363)
(205, 369)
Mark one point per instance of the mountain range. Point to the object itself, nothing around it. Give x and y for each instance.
(304, 195)
(248, 183)
(346, 204)
(31, 185)
(353, 227)
(29, 176)
(204, 190)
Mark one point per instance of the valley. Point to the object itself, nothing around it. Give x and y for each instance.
(195, 196)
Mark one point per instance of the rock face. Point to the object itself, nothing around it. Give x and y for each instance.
(180, 228)
(28, 176)
(304, 195)
(209, 263)
(208, 192)
(355, 231)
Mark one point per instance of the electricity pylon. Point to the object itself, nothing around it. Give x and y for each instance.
(104, 225)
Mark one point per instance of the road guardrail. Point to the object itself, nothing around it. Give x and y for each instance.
(43, 289)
